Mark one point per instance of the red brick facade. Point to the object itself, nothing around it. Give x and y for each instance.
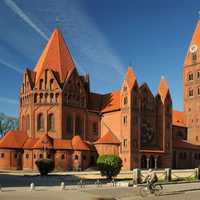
(60, 118)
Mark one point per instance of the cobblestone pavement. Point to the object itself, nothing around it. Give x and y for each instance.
(189, 191)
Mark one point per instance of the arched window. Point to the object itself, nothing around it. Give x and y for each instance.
(41, 84)
(51, 97)
(69, 124)
(40, 122)
(27, 122)
(51, 122)
(78, 128)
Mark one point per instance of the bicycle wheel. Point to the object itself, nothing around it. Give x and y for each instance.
(157, 190)
(143, 191)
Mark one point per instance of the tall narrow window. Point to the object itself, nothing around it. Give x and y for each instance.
(190, 92)
(51, 122)
(27, 122)
(78, 128)
(190, 76)
(40, 122)
(41, 84)
(69, 124)
(51, 84)
(125, 100)
(198, 91)
(198, 75)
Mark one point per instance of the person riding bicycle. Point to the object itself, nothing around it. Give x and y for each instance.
(151, 179)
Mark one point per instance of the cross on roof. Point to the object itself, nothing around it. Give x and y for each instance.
(58, 21)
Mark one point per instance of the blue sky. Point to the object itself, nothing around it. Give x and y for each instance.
(103, 37)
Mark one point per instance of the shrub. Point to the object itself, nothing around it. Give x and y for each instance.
(109, 165)
(45, 166)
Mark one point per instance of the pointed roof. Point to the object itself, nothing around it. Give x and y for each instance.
(195, 40)
(108, 138)
(130, 77)
(163, 88)
(44, 140)
(55, 56)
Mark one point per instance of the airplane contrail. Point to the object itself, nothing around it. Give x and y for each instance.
(18, 11)
(8, 100)
(6, 64)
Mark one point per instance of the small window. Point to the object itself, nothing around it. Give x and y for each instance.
(34, 156)
(2, 155)
(197, 138)
(51, 122)
(190, 76)
(194, 57)
(76, 157)
(198, 75)
(125, 100)
(190, 92)
(125, 142)
(27, 156)
(62, 156)
(15, 155)
(41, 156)
(125, 120)
(41, 84)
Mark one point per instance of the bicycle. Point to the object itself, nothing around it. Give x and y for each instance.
(155, 189)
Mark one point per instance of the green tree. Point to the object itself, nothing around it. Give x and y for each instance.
(45, 166)
(7, 123)
(109, 165)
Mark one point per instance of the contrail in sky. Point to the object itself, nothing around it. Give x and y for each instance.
(18, 11)
(8, 65)
(8, 100)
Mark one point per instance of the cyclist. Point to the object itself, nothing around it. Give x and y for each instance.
(151, 179)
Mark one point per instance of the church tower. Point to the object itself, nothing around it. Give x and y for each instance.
(191, 84)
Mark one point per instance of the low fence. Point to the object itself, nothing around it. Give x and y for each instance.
(168, 175)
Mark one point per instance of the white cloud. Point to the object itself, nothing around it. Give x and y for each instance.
(85, 37)
(8, 65)
(18, 11)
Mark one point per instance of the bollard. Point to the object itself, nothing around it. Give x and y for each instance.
(62, 186)
(136, 176)
(32, 186)
(1, 188)
(168, 176)
(197, 173)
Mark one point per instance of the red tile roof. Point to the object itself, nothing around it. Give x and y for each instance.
(183, 144)
(108, 138)
(30, 142)
(79, 144)
(13, 139)
(44, 140)
(111, 102)
(56, 57)
(178, 118)
(62, 144)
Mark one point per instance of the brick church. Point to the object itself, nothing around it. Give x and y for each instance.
(61, 118)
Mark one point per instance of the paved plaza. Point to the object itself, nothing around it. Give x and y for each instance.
(188, 191)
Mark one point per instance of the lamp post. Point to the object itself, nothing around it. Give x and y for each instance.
(45, 148)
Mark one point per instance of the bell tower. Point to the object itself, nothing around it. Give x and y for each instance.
(191, 84)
